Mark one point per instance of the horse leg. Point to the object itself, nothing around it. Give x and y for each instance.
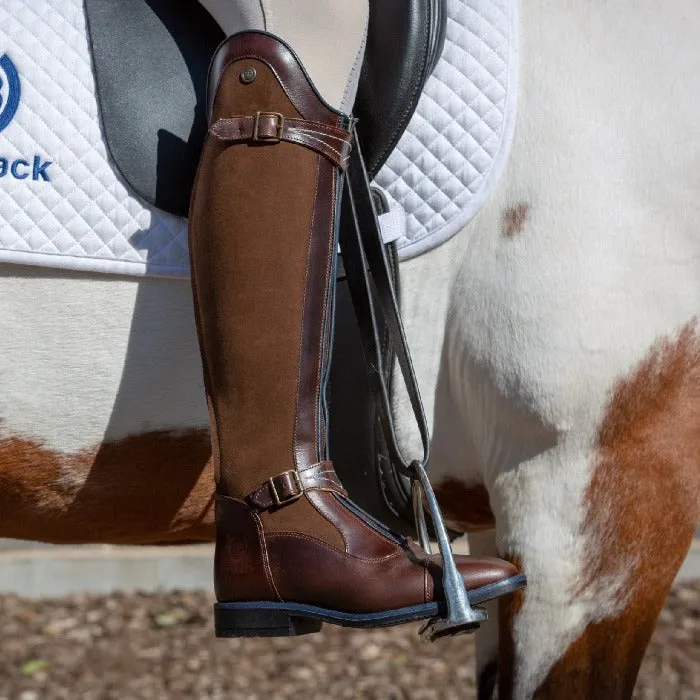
(581, 628)
(570, 380)
(483, 544)
(586, 462)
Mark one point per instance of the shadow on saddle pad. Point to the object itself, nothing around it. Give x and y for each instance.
(151, 60)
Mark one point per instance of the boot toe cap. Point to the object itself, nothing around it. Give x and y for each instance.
(477, 572)
(483, 571)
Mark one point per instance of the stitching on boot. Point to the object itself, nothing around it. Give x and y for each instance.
(303, 317)
(265, 555)
(325, 545)
(329, 253)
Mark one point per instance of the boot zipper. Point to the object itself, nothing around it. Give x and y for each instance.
(370, 521)
(329, 333)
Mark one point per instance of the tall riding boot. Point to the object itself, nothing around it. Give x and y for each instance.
(291, 549)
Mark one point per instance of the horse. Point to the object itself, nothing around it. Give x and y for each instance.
(556, 341)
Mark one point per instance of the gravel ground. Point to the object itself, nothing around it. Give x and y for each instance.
(161, 646)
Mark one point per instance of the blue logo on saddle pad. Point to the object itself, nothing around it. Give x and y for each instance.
(10, 86)
(31, 167)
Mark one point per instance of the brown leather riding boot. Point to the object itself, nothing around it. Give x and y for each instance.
(292, 550)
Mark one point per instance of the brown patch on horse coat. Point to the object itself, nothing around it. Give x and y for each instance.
(641, 513)
(604, 661)
(152, 488)
(642, 501)
(465, 508)
(514, 219)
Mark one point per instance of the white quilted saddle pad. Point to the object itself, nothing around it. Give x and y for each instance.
(63, 204)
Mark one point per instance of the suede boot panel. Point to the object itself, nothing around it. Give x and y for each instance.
(250, 266)
(254, 294)
(303, 516)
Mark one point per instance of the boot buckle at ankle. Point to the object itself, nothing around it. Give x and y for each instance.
(271, 122)
(284, 481)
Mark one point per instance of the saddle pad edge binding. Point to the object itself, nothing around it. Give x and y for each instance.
(413, 246)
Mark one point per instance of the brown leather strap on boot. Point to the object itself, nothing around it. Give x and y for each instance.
(272, 127)
(287, 487)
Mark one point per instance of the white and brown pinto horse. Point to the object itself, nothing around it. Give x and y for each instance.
(557, 340)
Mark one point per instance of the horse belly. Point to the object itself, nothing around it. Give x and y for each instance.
(103, 422)
(588, 255)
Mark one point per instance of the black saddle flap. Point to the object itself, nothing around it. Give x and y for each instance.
(151, 59)
(404, 43)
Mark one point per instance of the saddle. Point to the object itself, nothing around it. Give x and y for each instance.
(159, 52)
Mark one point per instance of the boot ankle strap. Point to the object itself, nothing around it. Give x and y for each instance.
(289, 486)
(272, 127)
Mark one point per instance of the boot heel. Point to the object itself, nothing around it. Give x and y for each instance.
(232, 620)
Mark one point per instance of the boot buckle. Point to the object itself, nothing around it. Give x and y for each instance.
(284, 478)
(279, 127)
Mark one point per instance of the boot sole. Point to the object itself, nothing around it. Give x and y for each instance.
(269, 619)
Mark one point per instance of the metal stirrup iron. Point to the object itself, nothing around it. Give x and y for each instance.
(370, 285)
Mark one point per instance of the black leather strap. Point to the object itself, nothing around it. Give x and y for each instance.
(370, 282)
